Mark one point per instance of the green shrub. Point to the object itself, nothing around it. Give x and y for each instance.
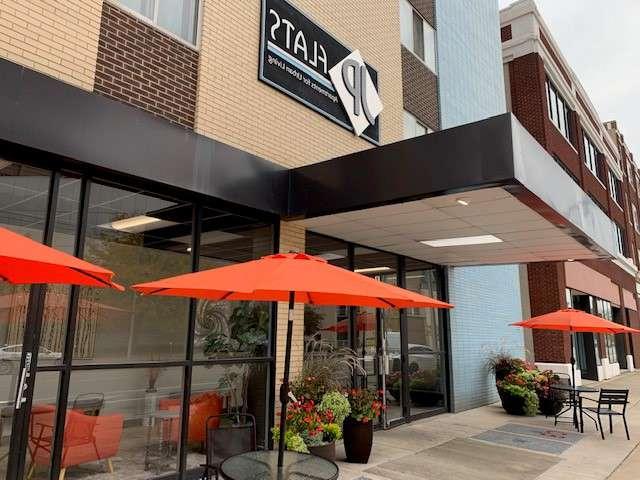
(335, 405)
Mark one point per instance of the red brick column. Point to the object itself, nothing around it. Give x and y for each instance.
(547, 288)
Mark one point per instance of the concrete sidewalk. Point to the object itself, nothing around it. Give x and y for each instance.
(486, 443)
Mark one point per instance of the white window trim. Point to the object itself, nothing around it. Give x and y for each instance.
(151, 22)
(435, 43)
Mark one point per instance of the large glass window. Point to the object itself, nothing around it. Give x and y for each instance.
(417, 35)
(179, 17)
(141, 238)
(591, 155)
(412, 127)
(615, 188)
(621, 244)
(426, 374)
(122, 421)
(222, 328)
(558, 109)
(325, 323)
(230, 391)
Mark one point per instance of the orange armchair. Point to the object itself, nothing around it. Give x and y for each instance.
(86, 439)
(201, 407)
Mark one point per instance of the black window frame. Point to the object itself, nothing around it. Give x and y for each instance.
(557, 106)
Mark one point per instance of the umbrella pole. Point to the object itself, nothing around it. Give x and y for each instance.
(573, 381)
(284, 388)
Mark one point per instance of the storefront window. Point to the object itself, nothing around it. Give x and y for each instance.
(223, 328)
(24, 193)
(141, 238)
(122, 421)
(227, 393)
(426, 377)
(327, 324)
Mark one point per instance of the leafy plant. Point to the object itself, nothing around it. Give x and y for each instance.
(332, 432)
(312, 321)
(423, 380)
(335, 404)
(530, 406)
(325, 369)
(502, 364)
(292, 441)
(366, 405)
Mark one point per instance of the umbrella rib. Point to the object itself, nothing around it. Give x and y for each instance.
(388, 303)
(157, 290)
(104, 282)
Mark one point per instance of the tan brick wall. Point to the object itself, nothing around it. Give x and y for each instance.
(292, 238)
(57, 38)
(236, 108)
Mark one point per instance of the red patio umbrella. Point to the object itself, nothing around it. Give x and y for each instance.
(292, 277)
(25, 261)
(364, 322)
(572, 320)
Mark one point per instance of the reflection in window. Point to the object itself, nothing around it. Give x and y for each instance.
(327, 324)
(122, 421)
(141, 238)
(24, 193)
(177, 16)
(223, 328)
(230, 391)
(426, 379)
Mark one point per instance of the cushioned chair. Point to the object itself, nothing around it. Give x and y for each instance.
(201, 407)
(86, 438)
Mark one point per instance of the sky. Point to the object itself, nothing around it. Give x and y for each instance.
(601, 42)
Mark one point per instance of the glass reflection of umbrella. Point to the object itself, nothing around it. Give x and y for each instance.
(292, 278)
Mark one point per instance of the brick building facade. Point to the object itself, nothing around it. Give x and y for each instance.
(546, 96)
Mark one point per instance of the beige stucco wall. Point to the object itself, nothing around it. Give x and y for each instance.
(236, 108)
(58, 38)
(292, 238)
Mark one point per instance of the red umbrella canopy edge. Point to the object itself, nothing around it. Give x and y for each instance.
(272, 278)
(25, 261)
(572, 320)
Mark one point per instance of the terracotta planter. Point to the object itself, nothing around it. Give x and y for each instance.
(327, 451)
(358, 440)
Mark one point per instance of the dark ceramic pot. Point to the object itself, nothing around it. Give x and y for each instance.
(327, 451)
(550, 406)
(358, 440)
(512, 404)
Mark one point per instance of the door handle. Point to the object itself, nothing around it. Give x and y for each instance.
(23, 386)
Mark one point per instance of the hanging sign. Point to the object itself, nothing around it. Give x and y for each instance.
(302, 60)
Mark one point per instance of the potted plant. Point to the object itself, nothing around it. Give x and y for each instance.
(502, 364)
(517, 394)
(551, 400)
(393, 383)
(366, 406)
(424, 388)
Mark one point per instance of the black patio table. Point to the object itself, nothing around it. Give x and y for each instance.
(577, 401)
(263, 465)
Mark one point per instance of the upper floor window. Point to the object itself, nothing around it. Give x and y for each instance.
(179, 17)
(615, 188)
(558, 109)
(417, 35)
(412, 127)
(634, 217)
(591, 156)
(621, 244)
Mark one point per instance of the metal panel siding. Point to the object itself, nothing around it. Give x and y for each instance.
(487, 299)
(469, 61)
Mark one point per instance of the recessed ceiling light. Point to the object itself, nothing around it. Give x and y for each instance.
(188, 249)
(137, 224)
(463, 201)
(461, 241)
(372, 269)
(571, 259)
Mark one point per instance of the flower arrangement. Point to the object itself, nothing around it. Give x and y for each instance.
(311, 425)
(366, 405)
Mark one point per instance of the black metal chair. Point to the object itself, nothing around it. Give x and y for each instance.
(89, 403)
(569, 400)
(607, 399)
(234, 434)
